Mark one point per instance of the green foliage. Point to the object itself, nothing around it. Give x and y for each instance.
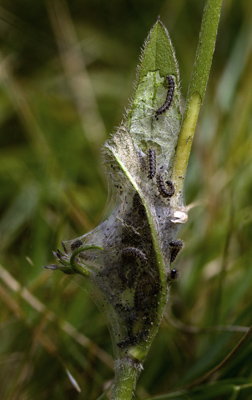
(158, 54)
(205, 48)
(53, 187)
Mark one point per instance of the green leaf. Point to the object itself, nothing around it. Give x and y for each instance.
(210, 391)
(157, 62)
(158, 53)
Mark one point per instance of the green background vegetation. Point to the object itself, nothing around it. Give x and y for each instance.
(66, 73)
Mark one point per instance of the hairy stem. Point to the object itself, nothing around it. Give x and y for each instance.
(125, 379)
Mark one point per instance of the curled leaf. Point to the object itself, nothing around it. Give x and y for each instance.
(127, 257)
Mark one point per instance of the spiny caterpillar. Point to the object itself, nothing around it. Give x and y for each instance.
(169, 192)
(75, 245)
(169, 97)
(129, 252)
(151, 163)
(172, 275)
(176, 246)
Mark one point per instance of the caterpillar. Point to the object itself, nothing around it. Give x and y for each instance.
(129, 252)
(175, 246)
(169, 192)
(75, 245)
(172, 275)
(169, 97)
(151, 163)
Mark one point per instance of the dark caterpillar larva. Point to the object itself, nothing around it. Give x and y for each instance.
(75, 245)
(171, 188)
(172, 275)
(169, 97)
(151, 163)
(175, 246)
(165, 192)
(129, 252)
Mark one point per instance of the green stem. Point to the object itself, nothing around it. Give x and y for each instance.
(127, 373)
(77, 268)
(196, 91)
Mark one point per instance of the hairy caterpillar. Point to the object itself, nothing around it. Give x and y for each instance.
(175, 247)
(75, 245)
(129, 252)
(165, 192)
(169, 97)
(151, 163)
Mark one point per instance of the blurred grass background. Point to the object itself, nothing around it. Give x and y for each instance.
(66, 73)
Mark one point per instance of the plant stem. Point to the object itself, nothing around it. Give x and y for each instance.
(196, 91)
(127, 373)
